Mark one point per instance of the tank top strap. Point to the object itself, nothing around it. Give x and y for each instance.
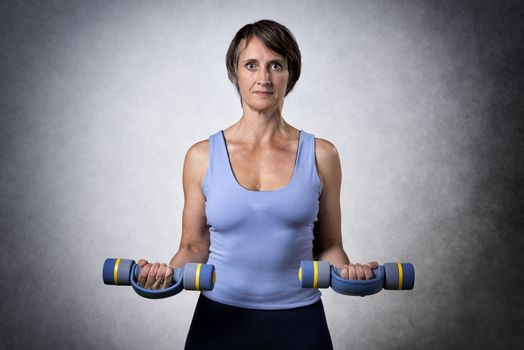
(218, 162)
(307, 167)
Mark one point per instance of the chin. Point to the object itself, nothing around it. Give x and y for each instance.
(265, 108)
(258, 106)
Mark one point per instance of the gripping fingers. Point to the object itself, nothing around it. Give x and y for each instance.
(360, 272)
(352, 272)
(168, 276)
(164, 276)
(151, 277)
(142, 277)
(159, 278)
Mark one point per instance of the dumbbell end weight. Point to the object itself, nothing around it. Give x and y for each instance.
(117, 271)
(399, 276)
(199, 276)
(314, 274)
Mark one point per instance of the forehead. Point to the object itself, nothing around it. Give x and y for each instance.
(254, 48)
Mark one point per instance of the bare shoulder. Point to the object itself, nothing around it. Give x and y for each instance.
(198, 150)
(326, 153)
(197, 157)
(328, 160)
(325, 149)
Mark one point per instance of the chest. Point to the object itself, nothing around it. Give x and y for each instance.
(263, 169)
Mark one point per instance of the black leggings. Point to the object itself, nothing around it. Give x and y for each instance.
(217, 326)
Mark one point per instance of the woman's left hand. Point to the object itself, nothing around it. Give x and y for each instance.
(358, 271)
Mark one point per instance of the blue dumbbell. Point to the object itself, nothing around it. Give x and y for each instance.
(320, 274)
(193, 276)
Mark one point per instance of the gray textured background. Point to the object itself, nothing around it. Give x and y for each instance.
(100, 101)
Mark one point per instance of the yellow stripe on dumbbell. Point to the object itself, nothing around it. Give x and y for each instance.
(300, 274)
(115, 271)
(315, 274)
(197, 277)
(400, 275)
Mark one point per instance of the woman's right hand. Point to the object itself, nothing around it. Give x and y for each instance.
(358, 271)
(154, 275)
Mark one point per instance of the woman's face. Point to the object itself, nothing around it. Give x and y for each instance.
(262, 76)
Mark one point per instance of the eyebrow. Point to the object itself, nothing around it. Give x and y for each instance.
(281, 61)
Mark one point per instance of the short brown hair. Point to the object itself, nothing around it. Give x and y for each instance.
(277, 38)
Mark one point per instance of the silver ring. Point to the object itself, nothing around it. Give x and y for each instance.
(159, 282)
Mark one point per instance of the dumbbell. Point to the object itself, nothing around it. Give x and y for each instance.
(392, 276)
(192, 276)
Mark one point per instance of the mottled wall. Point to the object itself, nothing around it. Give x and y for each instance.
(101, 99)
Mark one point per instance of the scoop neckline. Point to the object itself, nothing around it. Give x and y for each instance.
(290, 182)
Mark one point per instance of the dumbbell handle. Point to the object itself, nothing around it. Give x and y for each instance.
(320, 274)
(177, 272)
(192, 276)
(173, 289)
(357, 287)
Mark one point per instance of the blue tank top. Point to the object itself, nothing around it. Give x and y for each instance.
(258, 238)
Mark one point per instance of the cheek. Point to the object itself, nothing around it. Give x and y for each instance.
(282, 83)
(283, 78)
(244, 81)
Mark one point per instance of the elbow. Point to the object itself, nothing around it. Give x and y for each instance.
(199, 250)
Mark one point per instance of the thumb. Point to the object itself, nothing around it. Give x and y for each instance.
(373, 265)
(142, 262)
(344, 272)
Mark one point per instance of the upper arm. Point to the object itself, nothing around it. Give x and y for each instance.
(195, 231)
(327, 229)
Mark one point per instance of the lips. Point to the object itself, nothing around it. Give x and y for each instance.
(265, 93)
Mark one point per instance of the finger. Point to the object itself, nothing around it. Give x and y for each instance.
(142, 262)
(373, 265)
(151, 276)
(158, 278)
(344, 272)
(168, 277)
(352, 272)
(142, 276)
(160, 275)
(367, 272)
(360, 272)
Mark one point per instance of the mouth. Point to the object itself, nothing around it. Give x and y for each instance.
(263, 93)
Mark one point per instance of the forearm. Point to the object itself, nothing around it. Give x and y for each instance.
(335, 255)
(190, 253)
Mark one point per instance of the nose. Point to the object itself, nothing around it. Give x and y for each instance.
(263, 77)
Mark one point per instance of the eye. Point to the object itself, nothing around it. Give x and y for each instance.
(276, 66)
(250, 66)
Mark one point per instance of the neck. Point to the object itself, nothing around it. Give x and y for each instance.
(260, 127)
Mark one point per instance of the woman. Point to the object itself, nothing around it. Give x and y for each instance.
(260, 197)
